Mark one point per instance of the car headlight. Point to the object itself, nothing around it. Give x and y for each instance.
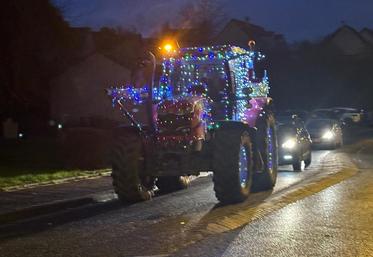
(328, 135)
(289, 143)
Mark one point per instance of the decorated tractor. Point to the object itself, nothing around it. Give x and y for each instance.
(206, 111)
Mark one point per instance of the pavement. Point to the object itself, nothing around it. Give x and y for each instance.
(35, 201)
(322, 211)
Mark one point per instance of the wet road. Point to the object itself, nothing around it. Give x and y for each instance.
(305, 215)
(338, 221)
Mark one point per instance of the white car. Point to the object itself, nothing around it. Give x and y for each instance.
(325, 113)
(348, 114)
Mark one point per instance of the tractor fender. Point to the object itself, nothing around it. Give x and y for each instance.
(260, 107)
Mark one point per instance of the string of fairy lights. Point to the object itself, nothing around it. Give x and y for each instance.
(182, 74)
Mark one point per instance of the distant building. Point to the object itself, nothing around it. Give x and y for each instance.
(102, 59)
(367, 34)
(348, 41)
(78, 95)
(86, 38)
(238, 32)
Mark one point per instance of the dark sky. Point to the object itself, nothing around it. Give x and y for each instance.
(296, 19)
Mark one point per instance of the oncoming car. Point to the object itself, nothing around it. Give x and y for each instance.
(294, 145)
(325, 132)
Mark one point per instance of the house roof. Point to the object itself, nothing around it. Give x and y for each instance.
(266, 39)
(367, 30)
(249, 28)
(367, 34)
(341, 29)
(88, 61)
(359, 48)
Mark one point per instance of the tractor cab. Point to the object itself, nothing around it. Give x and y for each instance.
(222, 74)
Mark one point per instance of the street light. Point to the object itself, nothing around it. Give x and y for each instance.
(149, 104)
(169, 47)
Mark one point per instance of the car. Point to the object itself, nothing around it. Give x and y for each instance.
(294, 144)
(285, 115)
(325, 132)
(323, 114)
(348, 115)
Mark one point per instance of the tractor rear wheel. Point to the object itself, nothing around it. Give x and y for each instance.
(267, 145)
(232, 165)
(172, 183)
(127, 163)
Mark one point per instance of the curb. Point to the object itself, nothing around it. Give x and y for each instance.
(93, 175)
(39, 210)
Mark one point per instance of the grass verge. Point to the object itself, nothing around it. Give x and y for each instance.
(11, 178)
(35, 161)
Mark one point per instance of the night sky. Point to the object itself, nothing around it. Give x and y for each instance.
(296, 19)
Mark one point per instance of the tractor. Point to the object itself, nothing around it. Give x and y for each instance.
(207, 110)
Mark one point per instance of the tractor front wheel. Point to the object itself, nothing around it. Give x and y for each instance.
(232, 165)
(267, 145)
(127, 163)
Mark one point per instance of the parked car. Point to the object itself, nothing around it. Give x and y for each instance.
(325, 132)
(286, 115)
(348, 115)
(323, 114)
(294, 144)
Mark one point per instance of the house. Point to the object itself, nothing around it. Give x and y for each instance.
(348, 41)
(103, 59)
(367, 34)
(78, 94)
(238, 32)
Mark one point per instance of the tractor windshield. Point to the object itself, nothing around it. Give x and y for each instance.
(192, 78)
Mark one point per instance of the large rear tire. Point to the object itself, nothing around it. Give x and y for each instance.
(267, 145)
(232, 165)
(172, 183)
(127, 163)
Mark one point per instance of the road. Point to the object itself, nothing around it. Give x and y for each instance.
(303, 216)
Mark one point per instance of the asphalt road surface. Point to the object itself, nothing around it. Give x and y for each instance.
(324, 210)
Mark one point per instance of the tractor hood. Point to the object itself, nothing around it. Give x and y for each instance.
(182, 116)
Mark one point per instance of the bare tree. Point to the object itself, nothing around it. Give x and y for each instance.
(205, 16)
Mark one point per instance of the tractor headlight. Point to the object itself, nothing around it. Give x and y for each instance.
(289, 143)
(328, 135)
